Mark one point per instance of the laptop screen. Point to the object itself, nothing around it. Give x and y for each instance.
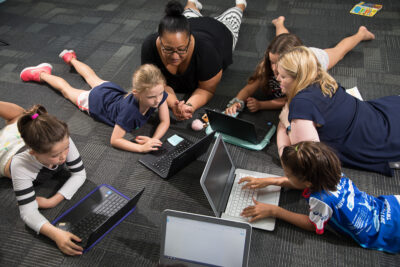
(216, 177)
(194, 242)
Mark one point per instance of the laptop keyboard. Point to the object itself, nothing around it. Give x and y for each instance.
(164, 162)
(239, 198)
(98, 216)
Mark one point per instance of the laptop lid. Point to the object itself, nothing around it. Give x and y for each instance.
(179, 161)
(88, 205)
(232, 126)
(198, 240)
(113, 221)
(218, 177)
(193, 152)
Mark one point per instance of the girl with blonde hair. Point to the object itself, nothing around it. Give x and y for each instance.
(262, 90)
(109, 103)
(364, 133)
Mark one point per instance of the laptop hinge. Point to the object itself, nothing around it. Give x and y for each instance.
(227, 191)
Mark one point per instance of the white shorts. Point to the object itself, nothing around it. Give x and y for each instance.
(10, 143)
(83, 101)
(322, 57)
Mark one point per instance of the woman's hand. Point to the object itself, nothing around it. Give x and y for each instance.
(151, 144)
(182, 111)
(64, 241)
(253, 183)
(284, 116)
(233, 108)
(259, 211)
(253, 104)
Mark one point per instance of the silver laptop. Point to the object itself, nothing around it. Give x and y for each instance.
(219, 182)
(189, 239)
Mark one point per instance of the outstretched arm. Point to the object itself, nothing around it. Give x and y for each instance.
(263, 210)
(117, 140)
(163, 126)
(252, 182)
(10, 111)
(255, 105)
(243, 95)
(205, 91)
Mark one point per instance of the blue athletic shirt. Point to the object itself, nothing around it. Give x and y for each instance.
(366, 134)
(109, 103)
(373, 222)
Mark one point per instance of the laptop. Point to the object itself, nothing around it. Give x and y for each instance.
(189, 239)
(236, 127)
(94, 216)
(170, 159)
(219, 182)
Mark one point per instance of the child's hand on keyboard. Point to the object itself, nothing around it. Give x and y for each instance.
(148, 144)
(259, 211)
(66, 242)
(253, 183)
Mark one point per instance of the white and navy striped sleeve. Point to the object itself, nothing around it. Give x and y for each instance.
(78, 174)
(24, 170)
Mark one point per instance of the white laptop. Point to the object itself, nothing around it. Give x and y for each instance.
(219, 182)
(189, 239)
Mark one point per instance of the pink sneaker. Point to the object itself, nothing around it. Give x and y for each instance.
(33, 73)
(67, 55)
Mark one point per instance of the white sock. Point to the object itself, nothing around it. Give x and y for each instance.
(241, 2)
(199, 6)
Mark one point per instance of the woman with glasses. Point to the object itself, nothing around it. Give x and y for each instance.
(192, 51)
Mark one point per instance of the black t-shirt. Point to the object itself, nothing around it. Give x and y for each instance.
(212, 52)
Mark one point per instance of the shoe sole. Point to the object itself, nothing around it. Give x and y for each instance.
(38, 66)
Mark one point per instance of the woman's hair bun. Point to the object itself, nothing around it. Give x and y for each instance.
(174, 8)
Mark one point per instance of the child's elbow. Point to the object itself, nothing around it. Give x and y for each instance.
(114, 142)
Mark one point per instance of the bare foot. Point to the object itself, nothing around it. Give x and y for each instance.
(279, 21)
(366, 34)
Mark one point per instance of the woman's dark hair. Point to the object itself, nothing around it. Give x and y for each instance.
(314, 162)
(279, 45)
(173, 21)
(40, 130)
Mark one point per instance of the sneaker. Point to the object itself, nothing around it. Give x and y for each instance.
(199, 6)
(33, 73)
(67, 55)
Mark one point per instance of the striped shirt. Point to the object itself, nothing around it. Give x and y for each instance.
(26, 171)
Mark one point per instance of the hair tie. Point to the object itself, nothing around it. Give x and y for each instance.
(34, 116)
(296, 148)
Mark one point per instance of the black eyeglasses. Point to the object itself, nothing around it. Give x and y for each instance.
(170, 51)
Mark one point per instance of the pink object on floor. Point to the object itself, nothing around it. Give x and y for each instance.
(197, 125)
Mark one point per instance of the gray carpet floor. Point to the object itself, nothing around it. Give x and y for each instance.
(107, 35)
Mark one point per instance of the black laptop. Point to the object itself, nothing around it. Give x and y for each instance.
(170, 159)
(93, 217)
(236, 127)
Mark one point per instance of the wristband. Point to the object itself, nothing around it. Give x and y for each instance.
(235, 100)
